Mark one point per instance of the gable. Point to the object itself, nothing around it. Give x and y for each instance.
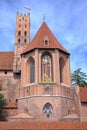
(44, 39)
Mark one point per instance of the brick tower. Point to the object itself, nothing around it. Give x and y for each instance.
(22, 39)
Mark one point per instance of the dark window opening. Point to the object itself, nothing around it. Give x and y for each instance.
(25, 33)
(46, 42)
(61, 69)
(19, 33)
(84, 103)
(16, 100)
(19, 40)
(17, 76)
(32, 70)
(5, 72)
(25, 40)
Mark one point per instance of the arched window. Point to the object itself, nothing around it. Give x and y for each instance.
(32, 70)
(19, 33)
(47, 71)
(46, 42)
(19, 40)
(61, 63)
(47, 109)
(25, 33)
(25, 40)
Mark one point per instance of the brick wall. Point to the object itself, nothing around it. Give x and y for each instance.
(10, 88)
(6, 74)
(34, 104)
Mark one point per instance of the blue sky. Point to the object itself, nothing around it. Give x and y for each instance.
(66, 18)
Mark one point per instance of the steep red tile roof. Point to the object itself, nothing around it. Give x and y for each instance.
(11, 105)
(37, 41)
(83, 94)
(6, 60)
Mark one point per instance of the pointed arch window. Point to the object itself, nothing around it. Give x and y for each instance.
(61, 64)
(32, 70)
(47, 71)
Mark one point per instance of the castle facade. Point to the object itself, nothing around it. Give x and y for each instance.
(36, 78)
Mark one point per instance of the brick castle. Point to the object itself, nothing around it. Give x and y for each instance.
(36, 78)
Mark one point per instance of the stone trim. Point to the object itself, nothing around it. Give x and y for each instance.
(46, 96)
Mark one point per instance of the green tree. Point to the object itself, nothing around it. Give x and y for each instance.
(79, 78)
(0, 87)
(2, 103)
